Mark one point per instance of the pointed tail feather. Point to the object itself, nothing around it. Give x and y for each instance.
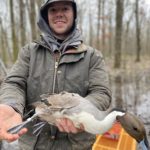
(38, 128)
(17, 128)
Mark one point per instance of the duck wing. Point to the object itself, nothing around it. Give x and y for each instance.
(64, 100)
(87, 107)
(71, 103)
(66, 105)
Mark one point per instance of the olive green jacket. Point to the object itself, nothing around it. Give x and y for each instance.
(38, 71)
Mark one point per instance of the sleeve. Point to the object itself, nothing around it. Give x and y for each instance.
(99, 92)
(13, 89)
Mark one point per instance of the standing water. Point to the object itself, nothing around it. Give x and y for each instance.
(131, 92)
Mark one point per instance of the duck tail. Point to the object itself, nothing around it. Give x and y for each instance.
(16, 129)
(24, 124)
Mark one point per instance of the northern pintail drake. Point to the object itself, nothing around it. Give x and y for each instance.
(82, 111)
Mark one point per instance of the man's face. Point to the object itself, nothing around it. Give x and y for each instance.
(61, 18)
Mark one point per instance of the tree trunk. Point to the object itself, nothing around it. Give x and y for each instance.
(4, 47)
(138, 30)
(148, 38)
(5, 53)
(110, 36)
(90, 29)
(103, 27)
(126, 48)
(39, 4)
(110, 29)
(1, 38)
(32, 16)
(98, 24)
(22, 22)
(118, 91)
(118, 37)
(13, 32)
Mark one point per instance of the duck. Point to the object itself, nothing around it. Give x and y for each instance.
(82, 112)
(135, 128)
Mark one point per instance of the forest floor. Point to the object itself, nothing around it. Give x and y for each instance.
(129, 65)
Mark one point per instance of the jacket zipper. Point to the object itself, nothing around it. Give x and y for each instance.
(57, 58)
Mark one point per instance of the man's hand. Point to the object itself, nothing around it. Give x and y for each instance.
(8, 119)
(66, 125)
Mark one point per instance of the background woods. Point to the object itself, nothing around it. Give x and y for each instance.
(119, 28)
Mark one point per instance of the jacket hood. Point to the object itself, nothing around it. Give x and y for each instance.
(74, 39)
(43, 16)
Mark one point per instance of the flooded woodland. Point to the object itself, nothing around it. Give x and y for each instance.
(119, 28)
(130, 91)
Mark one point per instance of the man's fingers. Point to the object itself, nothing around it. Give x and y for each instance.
(11, 137)
(62, 125)
(8, 137)
(22, 131)
(66, 125)
(71, 126)
(59, 126)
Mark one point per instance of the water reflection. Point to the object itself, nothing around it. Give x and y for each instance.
(132, 92)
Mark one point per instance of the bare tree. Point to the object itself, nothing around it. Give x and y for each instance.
(103, 25)
(2, 51)
(32, 15)
(118, 90)
(118, 37)
(5, 53)
(1, 37)
(39, 4)
(148, 37)
(126, 40)
(3, 46)
(138, 31)
(13, 31)
(110, 30)
(22, 22)
(127, 31)
(90, 30)
(98, 24)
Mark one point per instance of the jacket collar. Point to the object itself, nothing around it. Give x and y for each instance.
(81, 48)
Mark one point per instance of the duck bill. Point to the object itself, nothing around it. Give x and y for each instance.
(144, 144)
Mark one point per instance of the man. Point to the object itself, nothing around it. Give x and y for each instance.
(58, 62)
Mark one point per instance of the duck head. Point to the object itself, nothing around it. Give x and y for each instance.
(135, 128)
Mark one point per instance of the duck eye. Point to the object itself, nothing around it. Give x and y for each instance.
(45, 101)
(134, 128)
